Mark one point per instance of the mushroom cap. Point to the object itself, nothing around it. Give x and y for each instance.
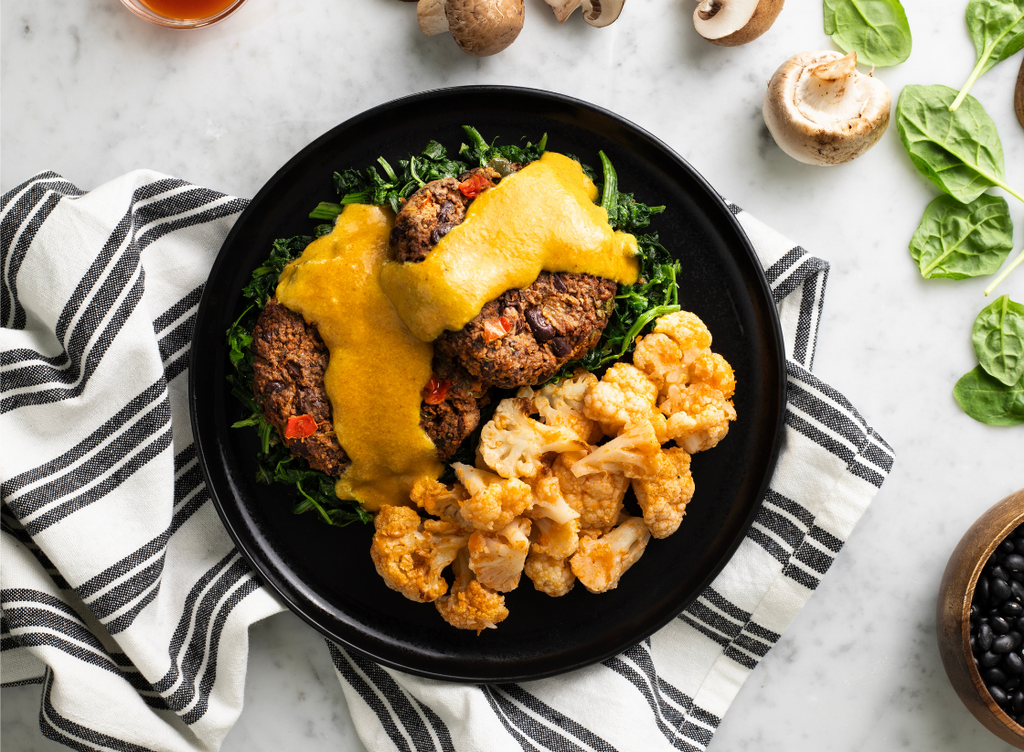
(1018, 96)
(563, 8)
(484, 27)
(730, 23)
(601, 13)
(821, 111)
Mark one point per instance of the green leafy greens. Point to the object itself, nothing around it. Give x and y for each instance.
(988, 400)
(877, 30)
(958, 151)
(958, 241)
(999, 340)
(997, 28)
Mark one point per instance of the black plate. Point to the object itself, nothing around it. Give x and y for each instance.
(325, 574)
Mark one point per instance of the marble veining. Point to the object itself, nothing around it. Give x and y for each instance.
(92, 92)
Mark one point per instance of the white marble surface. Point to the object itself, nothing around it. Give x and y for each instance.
(90, 91)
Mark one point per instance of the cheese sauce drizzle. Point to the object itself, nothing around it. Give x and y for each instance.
(377, 369)
(542, 218)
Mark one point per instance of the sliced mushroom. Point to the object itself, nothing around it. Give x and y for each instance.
(730, 23)
(600, 13)
(479, 27)
(822, 111)
(563, 8)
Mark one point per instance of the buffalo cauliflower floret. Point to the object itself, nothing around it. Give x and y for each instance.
(409, 553)
(623, 397)
(686, 330)
(597, 497)
(493, 501)
(562, 404)
(664, 494)
(497, 558)
(559, 541)
(470, 605)
(548, 500)
(549, 575)
(631, 453)
(600, 562)
(712, 369)
(661, 360)
(437, 499)
(699, 416)
(512, 443)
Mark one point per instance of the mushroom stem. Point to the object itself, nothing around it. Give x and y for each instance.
(708, 9)
(836, 70)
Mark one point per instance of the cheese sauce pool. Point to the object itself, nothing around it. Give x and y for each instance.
(378, 317)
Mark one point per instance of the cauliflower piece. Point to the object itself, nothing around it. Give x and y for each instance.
(409, 553)
(497, 559)
(632, 453)
(470, 605)
(436, 499)
(512, 443)
(624, 396)
(549, 575)
(600, 562)
(561, 404)
(548, 500)
(699, 416)
(493, 501)
(664, 494)
(661, 360)
(559, 541)
(714, 370)
(597, 497)
(686, 330)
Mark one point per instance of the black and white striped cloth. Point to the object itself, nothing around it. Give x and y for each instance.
(124, 597)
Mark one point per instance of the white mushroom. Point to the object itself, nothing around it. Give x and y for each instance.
(822, 111)
(730, 23)
(479, 27)
(597, 13)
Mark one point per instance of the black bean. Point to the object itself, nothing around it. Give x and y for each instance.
(999, 572)
(975, 648)
(1017, 638)
(994, 676)
(440, 231)
(1014, 562)
(1017, 576)
(1017, 702)
(999, 624)
(1020, 623)
(1006, 547)
(1002, 644)
(445, 212)
(1013, 663)
(975, 613)
(542, 330)
(981, 591)
(1012, 608)
(560, 347)
(1017, 590)
(1012, 683)
(992, 560)
(1018, 544)
(985, 636)
(999, 589)
(998, 695)
(559, 283)
(989, 659)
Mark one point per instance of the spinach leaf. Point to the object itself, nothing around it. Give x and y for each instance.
(877, 29)
(999, 340)
(988, 400)
(958, 151)
(958, 241)
(997, 28)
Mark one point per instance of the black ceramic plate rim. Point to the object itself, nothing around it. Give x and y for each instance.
(308, 612)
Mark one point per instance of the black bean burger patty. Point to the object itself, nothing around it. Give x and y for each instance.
(289, 364)
(559, 318)
(429, 213)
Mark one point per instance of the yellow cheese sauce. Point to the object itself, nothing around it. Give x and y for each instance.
(377, 369)
(542, 218)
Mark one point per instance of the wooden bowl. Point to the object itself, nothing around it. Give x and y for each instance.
(953, 611)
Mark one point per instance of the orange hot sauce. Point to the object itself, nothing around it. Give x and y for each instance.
(187, 10)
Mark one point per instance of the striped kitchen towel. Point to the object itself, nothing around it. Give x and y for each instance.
(122, 594)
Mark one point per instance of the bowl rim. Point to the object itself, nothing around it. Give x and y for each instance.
(140, 9)
(1007, 523)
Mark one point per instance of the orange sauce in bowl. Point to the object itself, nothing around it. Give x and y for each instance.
(187, 10)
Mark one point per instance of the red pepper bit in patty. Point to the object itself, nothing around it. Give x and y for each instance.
(496, 328)
(300, 426)
(474, 185)
(436, 390)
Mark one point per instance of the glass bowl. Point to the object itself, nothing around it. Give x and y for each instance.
(170, 21)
